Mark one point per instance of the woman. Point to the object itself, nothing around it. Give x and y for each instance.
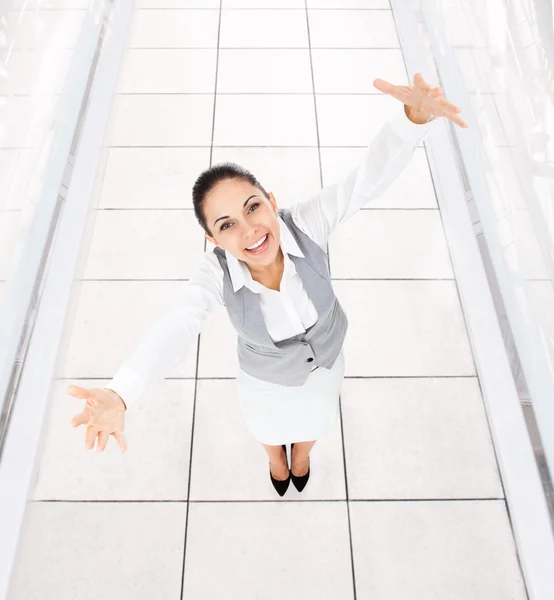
(269, 268)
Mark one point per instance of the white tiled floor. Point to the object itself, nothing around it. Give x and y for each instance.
(405, 499)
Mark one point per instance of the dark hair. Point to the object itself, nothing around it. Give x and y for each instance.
(209, 178)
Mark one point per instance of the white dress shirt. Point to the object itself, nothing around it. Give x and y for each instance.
(289, 311)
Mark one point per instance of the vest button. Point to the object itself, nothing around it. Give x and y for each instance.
(309, 360)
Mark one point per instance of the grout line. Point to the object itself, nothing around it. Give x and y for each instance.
(263, 48)
(161, 208)
(368, 93)
(143, 280)
(231, 378)
(267, 146)
(261, 9)
(270, 501)
(199, 336)
(352, 567)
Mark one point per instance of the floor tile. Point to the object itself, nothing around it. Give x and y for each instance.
(434, 550)
(177, 4)
(109, 321)
(263, 4)
(413, 188)
(391, 244)
(155, 465)
(12, 241)
(353, 71)
(159, 244)
(352, 29)
(348, 4)
(272, 120)
(36, 72)
(263, 29)
(68, 4)
(277, 71)
(152, 177)
(162, 120)
(418, 438)
(268, 550)
(43, 29)
(18, 190)
(218, 346)
(292, 174)
(173, 71)
(221, 434)
(351, 120)
(174, 29)
(27, 120)
(133, 550)
(404, 328)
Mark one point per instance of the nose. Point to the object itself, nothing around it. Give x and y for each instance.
(249, 231)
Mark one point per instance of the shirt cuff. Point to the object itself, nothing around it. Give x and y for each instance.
(408, 130)
(128, 385)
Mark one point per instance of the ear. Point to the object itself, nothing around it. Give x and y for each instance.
(273, 202)
(211, 239)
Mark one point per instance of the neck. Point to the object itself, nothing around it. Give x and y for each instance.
(270, 275)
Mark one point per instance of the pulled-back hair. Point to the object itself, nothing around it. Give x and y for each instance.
(209, 178)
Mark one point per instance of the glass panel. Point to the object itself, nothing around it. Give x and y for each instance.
(496, 58)
(47, 53)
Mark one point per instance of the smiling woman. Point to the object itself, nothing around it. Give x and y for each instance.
(269, 268)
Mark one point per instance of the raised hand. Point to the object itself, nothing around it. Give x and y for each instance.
(103, 415)
(423, 100)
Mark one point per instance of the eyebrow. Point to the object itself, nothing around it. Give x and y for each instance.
(245, 203)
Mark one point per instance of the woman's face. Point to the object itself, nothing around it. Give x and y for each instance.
(243, 222)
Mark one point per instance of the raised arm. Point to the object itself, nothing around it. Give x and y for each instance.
(383, 160)
(155, 357)
(167, 344)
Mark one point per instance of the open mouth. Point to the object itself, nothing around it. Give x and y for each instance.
(260, 246)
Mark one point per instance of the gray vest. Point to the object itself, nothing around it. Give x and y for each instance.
(289, 361)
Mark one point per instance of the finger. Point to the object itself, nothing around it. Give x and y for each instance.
(78, 392)
(103, 438)
(90, 436)
(383, 86)
(80, 419)
(399, 92)
(120, 439)
(449, 106)
(421, 84)
(456, 119)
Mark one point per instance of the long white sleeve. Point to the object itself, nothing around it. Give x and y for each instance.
(384, 159)
(167, 344)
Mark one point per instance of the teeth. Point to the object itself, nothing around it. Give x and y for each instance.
(259, 243)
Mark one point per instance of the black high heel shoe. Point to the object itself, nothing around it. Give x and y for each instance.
(280, 486)
(298, 482)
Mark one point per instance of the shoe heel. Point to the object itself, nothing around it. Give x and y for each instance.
(298, 482)
(280, 486)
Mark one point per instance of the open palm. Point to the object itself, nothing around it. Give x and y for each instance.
(424, 100)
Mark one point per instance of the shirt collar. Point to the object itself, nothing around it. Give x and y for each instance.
(239, 272)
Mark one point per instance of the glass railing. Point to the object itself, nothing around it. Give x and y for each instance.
(497, 58)
(48, 50)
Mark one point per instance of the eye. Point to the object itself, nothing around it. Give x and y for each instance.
(254, 206)
(224, 226)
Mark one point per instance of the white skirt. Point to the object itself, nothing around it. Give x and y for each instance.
(280, 414)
